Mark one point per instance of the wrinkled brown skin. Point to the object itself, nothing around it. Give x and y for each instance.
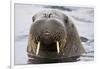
(71, 47)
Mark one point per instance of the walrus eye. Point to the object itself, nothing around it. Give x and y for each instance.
(58, 49)
(38, 47)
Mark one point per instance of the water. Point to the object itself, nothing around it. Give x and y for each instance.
(82, 17)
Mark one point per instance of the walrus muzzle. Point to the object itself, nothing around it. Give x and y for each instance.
(48, 35)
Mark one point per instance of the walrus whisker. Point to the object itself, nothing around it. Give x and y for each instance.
(58, 49)
(38, 47)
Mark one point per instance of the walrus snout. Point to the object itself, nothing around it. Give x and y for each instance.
(48, 35)
(48, 31)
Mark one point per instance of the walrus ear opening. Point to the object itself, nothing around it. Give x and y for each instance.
(66, 19)
(73, 44)
(33, 18)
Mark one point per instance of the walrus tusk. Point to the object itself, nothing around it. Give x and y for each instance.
(58, 50)
(38, 47)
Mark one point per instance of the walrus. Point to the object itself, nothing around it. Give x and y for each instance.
(53, 38)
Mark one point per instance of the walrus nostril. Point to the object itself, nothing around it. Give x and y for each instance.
(46, 33)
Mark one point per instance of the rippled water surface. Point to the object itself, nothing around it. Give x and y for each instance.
(82, 17)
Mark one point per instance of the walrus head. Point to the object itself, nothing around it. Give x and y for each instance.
(52, 34)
